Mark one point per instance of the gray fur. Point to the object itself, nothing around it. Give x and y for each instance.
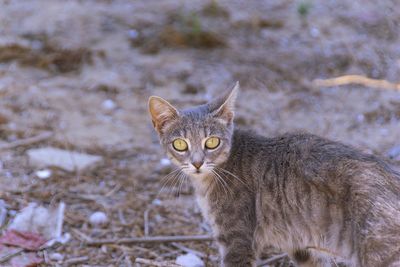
(318, 200)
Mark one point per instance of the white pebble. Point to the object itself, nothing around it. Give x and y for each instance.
(56, 256)
(133, 34)
(314, 32)
(98, 218)
(156, 202)
(108, 104)
(384, 131)
(165, 162)
(360, 117)
(43, 174)
(189, 260)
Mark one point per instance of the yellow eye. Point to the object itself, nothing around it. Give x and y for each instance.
(180, 145)
(212, 142)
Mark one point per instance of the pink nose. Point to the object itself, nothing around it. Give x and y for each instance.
(197, 164)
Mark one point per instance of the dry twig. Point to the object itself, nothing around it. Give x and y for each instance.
(128, 261)
(156, 263)
(356, 79)
(189, 250)
(146, 222)
(151, 239)
(272, 260)
(76, 260)
(11, 255)
(27, 141)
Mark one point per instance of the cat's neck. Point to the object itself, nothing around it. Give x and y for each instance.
(202, 184)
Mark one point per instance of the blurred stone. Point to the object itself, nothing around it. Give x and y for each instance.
(133, 34)
(394, 152)
(3, 119)
(156, 202)
(192, 89)
(108, 104)
(98, 218)
(66, 160)
(189, 260)
(43, 174)
(3, 212)
(46, 221)
(56, 256)
(215, 10)
(164, 167)
(165, 162)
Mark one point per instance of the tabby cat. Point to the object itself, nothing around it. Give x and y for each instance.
(318, 200)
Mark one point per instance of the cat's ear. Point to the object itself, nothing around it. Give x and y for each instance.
(226, 110)
(161, 112)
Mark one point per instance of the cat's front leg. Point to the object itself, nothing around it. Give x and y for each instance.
(236, 251)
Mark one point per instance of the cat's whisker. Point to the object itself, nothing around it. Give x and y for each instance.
(169, 179)
(169, 176)
(232, 175)
(175, 186)
(223, 183)
(217, 181)
(222, 176)
(182, 179)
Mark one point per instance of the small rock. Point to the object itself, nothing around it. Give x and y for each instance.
(63, 239)
(165, 162)
(98, 218)
(193, 87)
(189, 260)
(384, 131)
(43, 174)
(156, 202)
(133, 34)
(3, 119)
(56, 256)
(394, 152)
(66, 160)
(164, 167)
(314, 32)
(46, 221)
(108, 104)
(3, 212)
(360, 118)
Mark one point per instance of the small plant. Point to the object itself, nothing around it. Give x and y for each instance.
(304, 8)
(214, 9)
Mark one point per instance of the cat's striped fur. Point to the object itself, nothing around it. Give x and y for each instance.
(318, 200)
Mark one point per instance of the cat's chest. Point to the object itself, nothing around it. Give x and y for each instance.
(208, 212)
(203, 201)
(204, 204)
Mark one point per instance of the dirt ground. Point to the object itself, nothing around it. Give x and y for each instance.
(83, 70)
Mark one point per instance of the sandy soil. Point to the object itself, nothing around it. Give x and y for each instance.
(63, 62)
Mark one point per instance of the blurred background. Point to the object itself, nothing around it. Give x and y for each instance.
(75, 77)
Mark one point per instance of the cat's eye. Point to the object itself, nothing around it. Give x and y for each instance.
(180, 145)
(212, 142)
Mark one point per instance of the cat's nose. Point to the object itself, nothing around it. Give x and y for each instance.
(197, 164)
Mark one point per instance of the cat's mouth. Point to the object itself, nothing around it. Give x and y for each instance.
(198, 172)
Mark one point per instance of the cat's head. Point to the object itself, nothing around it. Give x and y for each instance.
(195, 139)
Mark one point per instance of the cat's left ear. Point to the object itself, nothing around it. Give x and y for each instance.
(226, 110)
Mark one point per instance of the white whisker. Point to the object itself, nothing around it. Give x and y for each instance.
(232, 175)
(170, 179)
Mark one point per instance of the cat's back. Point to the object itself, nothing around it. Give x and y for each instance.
(313, 158)
(341, 199)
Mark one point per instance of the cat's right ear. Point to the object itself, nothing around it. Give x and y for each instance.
(161, 112)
